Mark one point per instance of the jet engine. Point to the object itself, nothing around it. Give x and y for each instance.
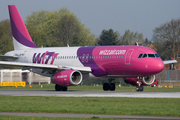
(132, 81)
(67, 78)
(148, 80)
(145, 80)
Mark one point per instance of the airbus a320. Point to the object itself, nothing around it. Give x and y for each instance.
(68, 66)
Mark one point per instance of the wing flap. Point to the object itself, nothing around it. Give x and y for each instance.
(45, 66)
(8, 57)
(21, 64)
(84, 69)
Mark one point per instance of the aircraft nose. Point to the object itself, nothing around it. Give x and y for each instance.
(160, 66)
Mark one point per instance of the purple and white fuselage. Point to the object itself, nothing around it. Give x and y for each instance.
(70, 65)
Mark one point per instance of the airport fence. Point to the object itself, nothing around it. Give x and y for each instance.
(169, 78)
(167, 75)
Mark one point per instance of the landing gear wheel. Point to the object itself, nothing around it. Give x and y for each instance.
(112, 87)
(58, 87)
(106, 87)
(141, 88)
(137, 88)
(64, 88)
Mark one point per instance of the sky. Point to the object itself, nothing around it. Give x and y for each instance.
(141, 16)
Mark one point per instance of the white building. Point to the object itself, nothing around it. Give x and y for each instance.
(18, 75)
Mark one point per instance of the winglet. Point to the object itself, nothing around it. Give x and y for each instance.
(21, 38)
(172, 58)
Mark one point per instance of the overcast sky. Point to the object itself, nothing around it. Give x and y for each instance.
(120, 15)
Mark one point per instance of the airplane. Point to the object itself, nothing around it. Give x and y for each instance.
(68, 66)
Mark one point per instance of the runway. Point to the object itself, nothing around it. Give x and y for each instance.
(90, 93)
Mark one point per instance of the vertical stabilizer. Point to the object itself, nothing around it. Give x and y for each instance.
(21, 38)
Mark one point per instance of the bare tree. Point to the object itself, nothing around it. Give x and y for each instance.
(168, 34)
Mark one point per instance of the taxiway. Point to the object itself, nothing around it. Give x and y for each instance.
(90, 93)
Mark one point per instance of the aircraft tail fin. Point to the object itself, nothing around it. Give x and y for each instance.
(21, 38)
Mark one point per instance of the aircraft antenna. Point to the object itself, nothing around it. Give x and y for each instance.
(137, 44)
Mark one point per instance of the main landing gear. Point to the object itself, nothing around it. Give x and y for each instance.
(109, 86)
(60, 88)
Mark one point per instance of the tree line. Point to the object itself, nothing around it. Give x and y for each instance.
(166, 38)
(63, 27)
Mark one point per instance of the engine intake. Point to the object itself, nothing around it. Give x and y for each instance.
(149, 79)
(67, 78)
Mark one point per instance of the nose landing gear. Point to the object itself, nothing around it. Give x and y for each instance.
(139, 87)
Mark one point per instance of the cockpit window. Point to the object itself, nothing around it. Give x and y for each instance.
(151, 55)
(140, 56)
(144, 56)
(157, 55)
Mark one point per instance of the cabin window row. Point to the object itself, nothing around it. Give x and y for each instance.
(81, 57)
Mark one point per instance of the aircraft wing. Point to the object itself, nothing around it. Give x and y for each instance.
(45, 66)
(169, 61)
(8, 57)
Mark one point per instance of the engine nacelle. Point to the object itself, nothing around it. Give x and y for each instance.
(67, 78)
(144, 81)
(148, 80)
(132, 81)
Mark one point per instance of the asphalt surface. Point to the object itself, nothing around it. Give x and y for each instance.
(89, 94)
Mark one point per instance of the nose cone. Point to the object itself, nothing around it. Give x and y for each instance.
(160, 65)
(156, 66)
(152, 66)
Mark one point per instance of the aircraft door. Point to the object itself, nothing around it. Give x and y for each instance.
(128, 56)
(85, 58)
(26, 56)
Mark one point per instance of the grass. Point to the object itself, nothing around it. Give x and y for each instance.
(92, 105)
(95, 88)
(86, 105)
(5, 117)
